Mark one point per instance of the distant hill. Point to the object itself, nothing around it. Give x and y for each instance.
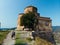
(8, 28)
(56, 28)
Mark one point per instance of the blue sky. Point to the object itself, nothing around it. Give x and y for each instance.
(9, 10)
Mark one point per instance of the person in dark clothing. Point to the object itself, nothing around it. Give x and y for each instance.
(13, 35)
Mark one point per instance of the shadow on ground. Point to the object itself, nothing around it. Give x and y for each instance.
(21, 44)
(0, 44)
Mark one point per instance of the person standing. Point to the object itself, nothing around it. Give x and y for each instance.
(13, 35)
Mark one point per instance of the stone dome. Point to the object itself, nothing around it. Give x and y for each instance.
(30, 9)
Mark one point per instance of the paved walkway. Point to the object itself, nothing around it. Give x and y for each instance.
(9, 40)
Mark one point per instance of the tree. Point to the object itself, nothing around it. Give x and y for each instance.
(28, 20)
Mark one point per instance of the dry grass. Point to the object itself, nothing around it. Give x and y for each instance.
(39, 41)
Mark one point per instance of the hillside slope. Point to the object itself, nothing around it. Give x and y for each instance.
(40, 41)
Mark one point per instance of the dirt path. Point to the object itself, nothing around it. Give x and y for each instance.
(9, 40)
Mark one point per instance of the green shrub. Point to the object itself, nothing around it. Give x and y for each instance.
(29, 39)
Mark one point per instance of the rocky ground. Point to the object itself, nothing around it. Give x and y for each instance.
(28, 36)
(57, 37)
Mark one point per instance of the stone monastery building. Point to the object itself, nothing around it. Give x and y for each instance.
(44, 23)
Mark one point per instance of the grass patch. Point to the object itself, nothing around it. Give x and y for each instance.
(19, 41)
(40, 41)
(3, 35)
(29, 39)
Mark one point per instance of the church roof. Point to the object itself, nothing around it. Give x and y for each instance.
(31, 6)
(45, 18)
